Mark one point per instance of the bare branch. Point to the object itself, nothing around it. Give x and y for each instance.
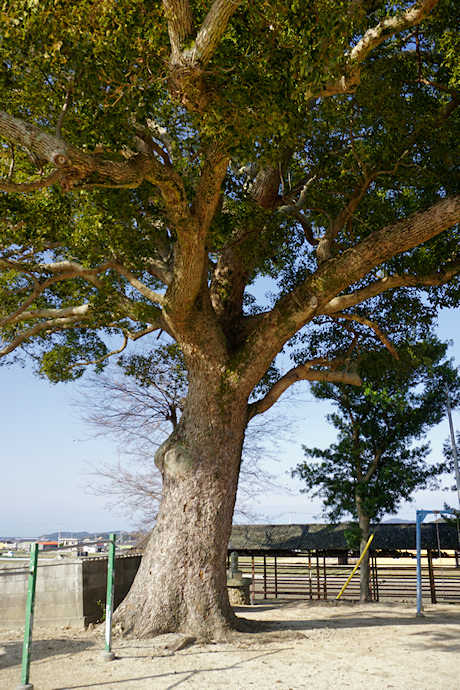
(389, 27)
(63, 112)
(212, 30)
(326, 241)
(298, 215)
(140, 334)
(24, 187)
(375, 327)
(86, 363)
(51, 325)
(11, 169)
(153, 296)
(63, 312)
(78, 167)
(180, 24)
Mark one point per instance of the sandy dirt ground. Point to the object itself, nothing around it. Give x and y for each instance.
(315, 645)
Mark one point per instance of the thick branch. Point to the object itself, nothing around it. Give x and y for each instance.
(79, 167)
(299, 373)
(151, 295)
(52, 314)
(373, 38)
(212, 30)
(81, 313)
(320, 291)
(190, 259)
(389, 27)
(356, 297)
(180, 24)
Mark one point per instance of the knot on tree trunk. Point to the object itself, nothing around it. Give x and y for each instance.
(187, 86)
(174, 458)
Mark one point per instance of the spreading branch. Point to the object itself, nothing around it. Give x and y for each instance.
(24, 187)
(372, 38)
(318, 293)
(77, 167)
(81, 314)
(304, 372)
(375, 327)
(337, 304)
(99, 360)
(151, 295)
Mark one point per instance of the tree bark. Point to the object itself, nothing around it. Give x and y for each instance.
(364, 525)
(181, 583)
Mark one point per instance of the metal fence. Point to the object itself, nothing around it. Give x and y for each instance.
(316, 576)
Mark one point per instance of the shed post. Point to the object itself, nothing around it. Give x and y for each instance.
(431, 576)
(324, 577)
(265, 576)
(317, 576)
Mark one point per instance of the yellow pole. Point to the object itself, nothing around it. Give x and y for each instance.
(356, 567)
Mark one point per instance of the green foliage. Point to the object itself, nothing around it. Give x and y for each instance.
(352, 536)
(374, 462)
(108, 63)
(163, 367)
(64, 361)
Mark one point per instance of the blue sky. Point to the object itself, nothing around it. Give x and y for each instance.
(45, 457)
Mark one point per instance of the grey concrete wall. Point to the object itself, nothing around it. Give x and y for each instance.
(67, 590)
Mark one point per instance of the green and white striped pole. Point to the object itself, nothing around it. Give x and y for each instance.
(107, 654)
(25, 685)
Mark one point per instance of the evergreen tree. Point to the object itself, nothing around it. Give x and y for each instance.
(375, 464)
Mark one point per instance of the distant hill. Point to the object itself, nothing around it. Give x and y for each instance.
(396, 521)
(54, 536)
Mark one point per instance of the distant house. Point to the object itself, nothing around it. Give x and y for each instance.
(8, 544)
(47, 545)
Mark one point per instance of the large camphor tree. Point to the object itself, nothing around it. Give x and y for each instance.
(158, 158)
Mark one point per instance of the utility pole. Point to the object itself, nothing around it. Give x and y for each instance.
(454, 447)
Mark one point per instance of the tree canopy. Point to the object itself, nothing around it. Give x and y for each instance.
(376, 456)
(220, 152)
(158, 158)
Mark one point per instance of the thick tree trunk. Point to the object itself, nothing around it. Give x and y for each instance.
(181, 583)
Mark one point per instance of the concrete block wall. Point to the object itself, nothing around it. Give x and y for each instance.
(67, 591)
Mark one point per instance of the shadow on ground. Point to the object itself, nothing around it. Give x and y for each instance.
(11, 652)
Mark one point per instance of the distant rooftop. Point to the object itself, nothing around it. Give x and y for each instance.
(325, 537)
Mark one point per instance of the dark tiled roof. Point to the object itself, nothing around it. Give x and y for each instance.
(400, 537)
